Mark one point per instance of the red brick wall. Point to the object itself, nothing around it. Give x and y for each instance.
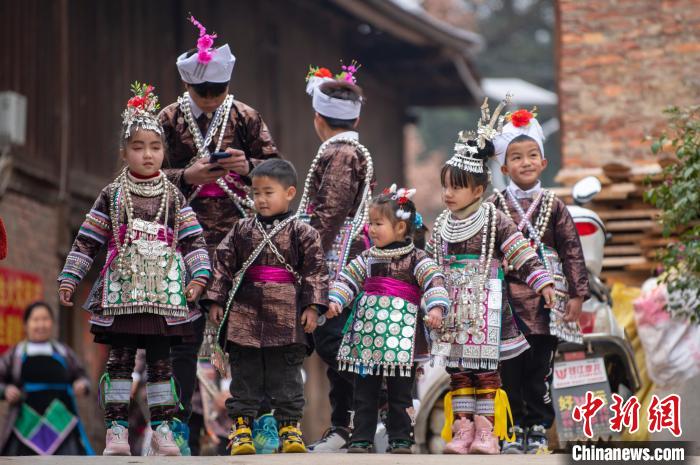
(32, 235)
(620, 63)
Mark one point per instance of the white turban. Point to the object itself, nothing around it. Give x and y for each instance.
(218, 69)
(510, 132)
(328, 106)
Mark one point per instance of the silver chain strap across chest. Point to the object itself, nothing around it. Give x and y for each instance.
(268, 240)
(545, 200)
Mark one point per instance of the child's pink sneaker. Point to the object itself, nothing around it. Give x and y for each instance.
(462, 437)
(117, 441)
(162, 442)
(484, 440)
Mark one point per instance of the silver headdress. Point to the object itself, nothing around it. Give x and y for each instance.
(488, 127)
(141, 110)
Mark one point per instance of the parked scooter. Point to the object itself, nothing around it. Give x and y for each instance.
(602, 336)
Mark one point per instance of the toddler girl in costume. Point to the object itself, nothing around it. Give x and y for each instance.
(156, 264)
(470, 241)
(385, 331)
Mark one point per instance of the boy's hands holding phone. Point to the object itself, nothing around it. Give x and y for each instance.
(236, 161)
(203, 171)
(219, 163)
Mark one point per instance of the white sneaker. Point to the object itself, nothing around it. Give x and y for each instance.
(335, 439)
(162, 442)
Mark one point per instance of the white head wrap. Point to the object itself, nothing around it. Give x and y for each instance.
(510, 132)
(219, 69)
(328, 106)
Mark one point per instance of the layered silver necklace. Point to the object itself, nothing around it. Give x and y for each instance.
(455, 230)
(376, 252)
(218, 124)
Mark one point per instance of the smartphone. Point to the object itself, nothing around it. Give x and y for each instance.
(216, 156)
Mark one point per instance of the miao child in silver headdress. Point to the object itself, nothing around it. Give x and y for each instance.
(470, 241)
(546, 222)
(337, 189)
(157, 267)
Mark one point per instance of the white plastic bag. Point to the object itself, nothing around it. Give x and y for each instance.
(671, 347)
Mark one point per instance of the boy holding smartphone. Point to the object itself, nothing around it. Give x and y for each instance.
(205, 120)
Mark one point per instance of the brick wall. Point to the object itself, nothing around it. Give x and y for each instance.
(32, 235)
(620, 63)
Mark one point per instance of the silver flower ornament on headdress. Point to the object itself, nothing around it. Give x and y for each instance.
(141, 110)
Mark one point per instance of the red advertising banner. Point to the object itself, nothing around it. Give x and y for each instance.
(17, 290)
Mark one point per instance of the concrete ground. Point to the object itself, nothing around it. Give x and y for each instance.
(306, 459)
(690, 406)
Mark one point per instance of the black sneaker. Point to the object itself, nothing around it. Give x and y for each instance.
(518, 445)
(335, 439)
(361, 447)
(536, 442)
(400, 446)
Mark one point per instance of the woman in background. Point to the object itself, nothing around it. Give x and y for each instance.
(40, 378)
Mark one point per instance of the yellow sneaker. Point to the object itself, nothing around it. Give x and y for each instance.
(292, 442)
(241, 437)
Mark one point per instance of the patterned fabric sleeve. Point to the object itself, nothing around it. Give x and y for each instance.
(432, 281)
(350, 281)
(520, 255)
(338, 189)
(260, 142)
(224, 268)
(6, 360)
(76, 367)
(175, 175)
(93, 234)
(568, 247)
(313, 269)
(194, 249)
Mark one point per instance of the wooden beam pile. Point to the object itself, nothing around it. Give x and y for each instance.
(631, 223)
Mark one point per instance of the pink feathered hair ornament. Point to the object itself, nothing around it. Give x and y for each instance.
(204, 43)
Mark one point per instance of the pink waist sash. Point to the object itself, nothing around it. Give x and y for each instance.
(213, 190)
(393, 287)
(269, 274)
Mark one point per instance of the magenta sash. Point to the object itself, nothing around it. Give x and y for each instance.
(213, 190)
(392, 287)
(112, 249)
(269, 274)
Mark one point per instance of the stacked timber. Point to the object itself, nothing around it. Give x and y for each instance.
(632, 224)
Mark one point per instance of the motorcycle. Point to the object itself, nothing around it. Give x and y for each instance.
(602, 335)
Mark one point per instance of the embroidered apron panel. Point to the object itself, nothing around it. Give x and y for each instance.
(380, 336)
(44, 433)
(152, 288)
